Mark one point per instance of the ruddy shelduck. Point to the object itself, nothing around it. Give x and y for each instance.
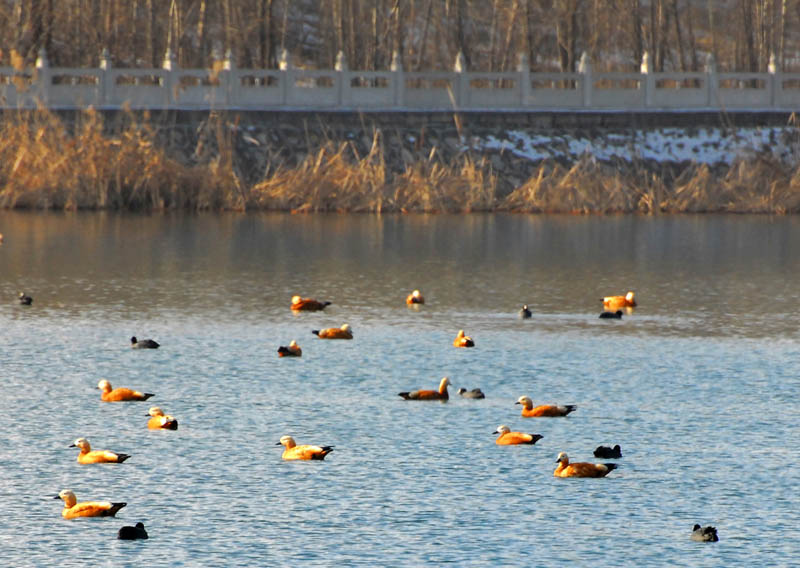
(415, 297)
(72, 509)
(160, 421)
(88, 455)
(307, 304)
(343, 332)
(608, 453)
(462, 340)
(144, 343)
(581, 469)
(544, 410)
(704, 534)
(509, 438)
(303, 451)
(441, 394)
(616, 302)
(120, 394)
(132, 533)
(293, 350)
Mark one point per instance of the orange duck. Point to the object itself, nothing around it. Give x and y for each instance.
(88, 455)
(617, 302)
(343, 332)
(160, 421)
(303, 451)
(307, 304)
(509, 438)
(415, 297)
(72, 509)
(548, 410)
(462, 340)
(293, 350)
(581, 469)
(441, 394)
(120, 394)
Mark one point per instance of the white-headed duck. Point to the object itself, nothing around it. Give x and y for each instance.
(302, 452)
(440, 394)
(415, 297)
(293, 350)
(160, 421)
(581, 469)
(87, 455)
(616, 302)
(72, 509)
(544, 410)
(462, 340)
(307, 304)
(343, 332)
(120, 394)
(509, 438)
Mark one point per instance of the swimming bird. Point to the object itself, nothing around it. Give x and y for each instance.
(144, 343)
(292, 351)
(608, 453)
(528, 410)
(474, 393)
(704, 534)
(611, 315)
(524, 312)
(343, 332)
(121, 394)
(302, 452)
(132, 533)
(616, 302)
(307, 304)
(88, 455)
(160, 421)
(415, 297)
(72, 509)
(509, 438)
(441, 394)
(581, 469)
(24, 299)
(462, 340)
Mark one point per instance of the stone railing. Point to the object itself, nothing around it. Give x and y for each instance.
(340, 89)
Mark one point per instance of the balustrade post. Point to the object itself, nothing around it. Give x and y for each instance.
(649, 82)
(459, 94)
(228, 81)
(170, 65)
(287, 77)
(343, 98)
(398, 81)
(106, 80)
(585, 69)
(774, 85)
(43, 78)
(712, 80)
(524, 69)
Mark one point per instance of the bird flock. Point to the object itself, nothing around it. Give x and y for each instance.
(612, 305)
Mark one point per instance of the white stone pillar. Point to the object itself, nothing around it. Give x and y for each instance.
(170, 65)
(774, 84)
(106, 87)
(524, 70)
(287, 77)
(713, 81)
(460, 94)
(230, 86)
(398, 81)
(648, 81)
(43, 78)
(343, 98)
(585, 69)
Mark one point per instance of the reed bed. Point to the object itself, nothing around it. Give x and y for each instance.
(46, 165)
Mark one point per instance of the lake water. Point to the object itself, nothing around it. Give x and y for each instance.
(699, 386)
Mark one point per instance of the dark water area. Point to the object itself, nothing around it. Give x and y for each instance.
(698, 384)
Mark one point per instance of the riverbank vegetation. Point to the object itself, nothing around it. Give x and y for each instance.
(47, 164)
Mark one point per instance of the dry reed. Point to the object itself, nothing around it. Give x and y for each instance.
(44, 164)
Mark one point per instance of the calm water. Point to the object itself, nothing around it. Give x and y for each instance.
(699, 386)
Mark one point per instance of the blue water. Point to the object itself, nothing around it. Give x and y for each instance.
(699, 386)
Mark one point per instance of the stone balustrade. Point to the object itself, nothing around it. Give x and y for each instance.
(289, 88)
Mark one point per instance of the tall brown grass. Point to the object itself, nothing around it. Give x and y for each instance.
(47, 164)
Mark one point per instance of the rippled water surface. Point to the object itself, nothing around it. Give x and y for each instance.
(699, 386)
